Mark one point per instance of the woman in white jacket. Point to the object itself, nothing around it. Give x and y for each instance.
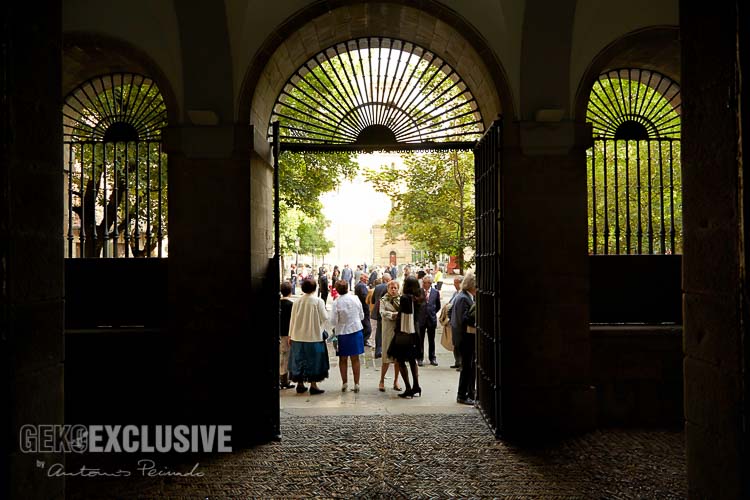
(346, 317)
(308, 359)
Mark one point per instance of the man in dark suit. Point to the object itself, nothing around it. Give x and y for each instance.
(462, 328)
(361, 290)
(428, 320)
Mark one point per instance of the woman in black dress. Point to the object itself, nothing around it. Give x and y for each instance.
(404, 346)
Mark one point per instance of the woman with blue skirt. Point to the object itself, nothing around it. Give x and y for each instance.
(308, 359)
(347, 316)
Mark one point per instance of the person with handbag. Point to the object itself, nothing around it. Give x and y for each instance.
(308, 360)
(388, 312)
(404, 346)
(346, 317)
(462, 330)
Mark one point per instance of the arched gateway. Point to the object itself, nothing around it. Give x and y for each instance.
(385, 85)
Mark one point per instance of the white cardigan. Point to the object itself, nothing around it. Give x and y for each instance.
(308, 319)
(347, 314)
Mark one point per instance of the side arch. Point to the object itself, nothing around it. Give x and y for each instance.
(87, 55)
(654, 48)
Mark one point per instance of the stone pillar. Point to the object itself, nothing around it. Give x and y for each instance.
(715, 210)
(545, 332)
(31, 244)
(215, 277)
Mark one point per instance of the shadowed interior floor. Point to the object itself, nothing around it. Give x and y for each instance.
(418, 456)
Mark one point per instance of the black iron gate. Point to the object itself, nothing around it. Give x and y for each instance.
(489, 230)
(273, 278)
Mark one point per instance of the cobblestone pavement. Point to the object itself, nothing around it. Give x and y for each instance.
(421, 456)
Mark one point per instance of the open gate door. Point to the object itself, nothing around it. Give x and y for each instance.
(489, 254)
(273, 278)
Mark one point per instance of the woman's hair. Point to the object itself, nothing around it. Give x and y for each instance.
(308, 285)
(411, 286)
(469, 281)
(286, 288)
(342, 287)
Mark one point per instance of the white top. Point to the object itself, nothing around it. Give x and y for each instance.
(347, 314)
(308, 319)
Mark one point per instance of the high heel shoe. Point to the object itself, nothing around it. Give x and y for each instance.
(407, 394)
(416, 392)
(381, 387)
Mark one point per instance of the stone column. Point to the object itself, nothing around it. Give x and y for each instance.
(31, 244)
(217, 262)
(545, 344)
(715, 211)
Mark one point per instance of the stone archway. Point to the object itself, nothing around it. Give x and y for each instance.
(653, 48)
(86, 55)
(312, 30)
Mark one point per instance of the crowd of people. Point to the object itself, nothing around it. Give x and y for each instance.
(403, 310)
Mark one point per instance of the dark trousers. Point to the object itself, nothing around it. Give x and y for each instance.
(379, 338)
(456, 355)
(366, 328)
(324, 294)
(467, 378)
(430, 334)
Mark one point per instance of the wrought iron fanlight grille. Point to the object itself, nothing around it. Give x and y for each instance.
(118, 107)
(376, 91)
(634, 103)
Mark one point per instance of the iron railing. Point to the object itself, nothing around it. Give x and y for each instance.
(635, 196)
(116, 204)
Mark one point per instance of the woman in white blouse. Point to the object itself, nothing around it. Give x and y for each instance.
(308, 360)
(346, 317)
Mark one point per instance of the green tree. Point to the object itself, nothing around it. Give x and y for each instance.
(311, 239)
(432, 199)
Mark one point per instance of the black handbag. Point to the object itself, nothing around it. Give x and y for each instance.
(404, 339)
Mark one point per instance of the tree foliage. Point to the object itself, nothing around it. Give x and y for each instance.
(637, 196)
(432, 198)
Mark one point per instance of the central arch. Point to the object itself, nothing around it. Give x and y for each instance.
(455, 53)
(435, 27)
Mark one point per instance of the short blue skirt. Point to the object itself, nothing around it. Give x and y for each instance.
(351, 344)
(308, 361)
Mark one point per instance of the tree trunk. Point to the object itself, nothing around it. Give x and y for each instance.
(460, 183)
